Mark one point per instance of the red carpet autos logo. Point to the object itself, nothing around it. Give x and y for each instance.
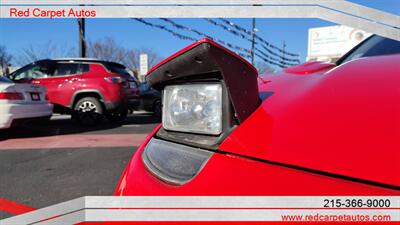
(337, 11)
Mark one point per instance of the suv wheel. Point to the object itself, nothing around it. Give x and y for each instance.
(117, 116)
(88, 111)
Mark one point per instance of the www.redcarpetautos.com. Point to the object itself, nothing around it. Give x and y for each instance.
(337, 218)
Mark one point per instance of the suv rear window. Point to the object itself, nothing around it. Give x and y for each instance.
(117, 68)
(121, 70)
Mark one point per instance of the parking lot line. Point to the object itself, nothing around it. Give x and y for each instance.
(14, 207)
(74, 141)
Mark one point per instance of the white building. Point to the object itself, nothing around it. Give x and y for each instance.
(328, 44)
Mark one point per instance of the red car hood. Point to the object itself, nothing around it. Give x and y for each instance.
(343, 121)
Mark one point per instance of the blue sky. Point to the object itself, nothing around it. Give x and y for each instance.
(17, 34)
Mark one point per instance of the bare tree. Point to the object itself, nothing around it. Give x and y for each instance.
(108, 49)
(5, 59)
(48, 50)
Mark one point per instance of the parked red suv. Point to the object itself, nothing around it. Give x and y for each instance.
(86, 88)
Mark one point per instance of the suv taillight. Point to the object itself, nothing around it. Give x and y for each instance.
(114, 79)
(11, 96)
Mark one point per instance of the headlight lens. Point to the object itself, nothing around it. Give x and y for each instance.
(195, 108)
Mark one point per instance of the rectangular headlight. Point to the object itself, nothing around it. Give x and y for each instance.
(195, 108)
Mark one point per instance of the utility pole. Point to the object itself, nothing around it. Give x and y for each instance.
(82, 39)
(253, 34)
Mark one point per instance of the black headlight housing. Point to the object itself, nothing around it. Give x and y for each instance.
(208, 62)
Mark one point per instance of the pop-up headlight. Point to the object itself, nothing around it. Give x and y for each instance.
(207, 91)
(195, 108)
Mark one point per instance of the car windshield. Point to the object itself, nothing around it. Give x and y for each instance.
(373, 46)
(5, 80)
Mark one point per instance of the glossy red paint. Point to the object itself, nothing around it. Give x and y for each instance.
(344, 122)
(230, 175)
(310, 68)
(306, 136)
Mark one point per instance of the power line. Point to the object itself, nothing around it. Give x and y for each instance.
(265, 55)
(213, 22)
(258, 37)
(271, 60)
(268, 61)
(182, 27)
(243, 52)
(180, 36)
(185, 37)
(266, 48)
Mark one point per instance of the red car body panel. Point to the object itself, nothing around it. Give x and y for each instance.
(345, 121)
(310, 68)
(230, 175)
(321, 129)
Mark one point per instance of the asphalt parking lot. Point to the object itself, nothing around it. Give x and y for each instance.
(45, 164)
